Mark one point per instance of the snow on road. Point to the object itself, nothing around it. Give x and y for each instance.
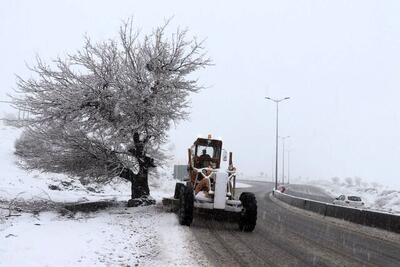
(242, 185)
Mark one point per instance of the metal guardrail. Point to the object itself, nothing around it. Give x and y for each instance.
(386, 221)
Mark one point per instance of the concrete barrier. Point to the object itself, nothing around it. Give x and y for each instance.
(315, 206)
(386, 221)
(297, 202)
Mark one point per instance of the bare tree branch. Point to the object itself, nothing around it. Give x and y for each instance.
(87, 108)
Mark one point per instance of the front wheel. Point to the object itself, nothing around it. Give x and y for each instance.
(248, 216)
(178, 188)
(186, 200)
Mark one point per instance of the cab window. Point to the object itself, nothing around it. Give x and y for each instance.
(209, 150)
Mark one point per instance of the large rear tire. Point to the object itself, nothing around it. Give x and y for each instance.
(248, 217)
(186, 199)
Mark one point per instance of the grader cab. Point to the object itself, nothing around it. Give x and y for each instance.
(209, 189)
(205, 153)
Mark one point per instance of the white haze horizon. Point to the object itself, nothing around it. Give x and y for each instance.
(338, 61)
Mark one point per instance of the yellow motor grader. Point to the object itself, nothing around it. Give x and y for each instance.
(208, 189)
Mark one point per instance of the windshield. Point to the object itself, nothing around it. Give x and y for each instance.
(209, 150)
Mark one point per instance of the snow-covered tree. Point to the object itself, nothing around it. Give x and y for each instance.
(105, 110)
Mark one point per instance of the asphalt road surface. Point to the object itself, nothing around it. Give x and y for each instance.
(286, 236)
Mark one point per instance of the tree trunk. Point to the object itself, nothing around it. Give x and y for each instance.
(140, 185)
(139, 182)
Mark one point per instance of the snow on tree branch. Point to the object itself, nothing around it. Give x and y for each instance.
(87, 108)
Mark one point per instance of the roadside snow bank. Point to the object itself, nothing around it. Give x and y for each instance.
(143, 236)
(242, 185)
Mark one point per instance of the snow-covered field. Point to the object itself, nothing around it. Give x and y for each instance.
(119, 236)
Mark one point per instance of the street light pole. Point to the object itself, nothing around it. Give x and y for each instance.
(276, 146)
(283, 157)
(276, 136)
(288, 166)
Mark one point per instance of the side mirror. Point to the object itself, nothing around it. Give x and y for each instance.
(336, 198)
(224, 155)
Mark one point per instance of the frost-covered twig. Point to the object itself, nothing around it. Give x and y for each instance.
(11, 204)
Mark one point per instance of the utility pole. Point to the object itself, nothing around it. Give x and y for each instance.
(283, 157)
(272, 170)
(277, 101)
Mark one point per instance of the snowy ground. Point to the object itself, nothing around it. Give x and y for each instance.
(142, 236)
(242, 185)
(119, 236)
(34, 185)
(18, 183)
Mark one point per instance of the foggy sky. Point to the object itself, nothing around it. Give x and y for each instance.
(339, 61)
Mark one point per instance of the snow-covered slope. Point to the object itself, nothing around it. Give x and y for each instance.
(30, 185)
(375, 196)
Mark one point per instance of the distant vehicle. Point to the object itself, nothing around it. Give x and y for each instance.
(281, 188)
(351, 201)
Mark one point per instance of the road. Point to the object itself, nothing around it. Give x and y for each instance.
(286, 236)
